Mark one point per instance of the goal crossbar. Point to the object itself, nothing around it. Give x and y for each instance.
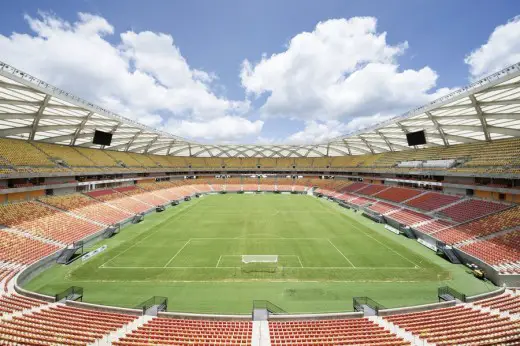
(259, 258)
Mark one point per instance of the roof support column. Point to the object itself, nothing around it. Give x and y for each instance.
(80, 128)
(480, 114)
(385, 139)
(38, 116)
(438, 127)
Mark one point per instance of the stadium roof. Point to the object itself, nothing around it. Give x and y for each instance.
(31, 109)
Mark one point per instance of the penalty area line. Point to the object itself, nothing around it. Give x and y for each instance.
(345, 257)
(182, 248)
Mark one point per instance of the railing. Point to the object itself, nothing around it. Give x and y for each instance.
(71, 293)
(446, 291)
(265, 304)
(160, 302)
(359, 302)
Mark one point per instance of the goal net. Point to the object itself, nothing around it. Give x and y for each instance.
(259, 263)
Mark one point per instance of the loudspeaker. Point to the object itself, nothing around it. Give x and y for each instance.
(102, 138)
(416, 138)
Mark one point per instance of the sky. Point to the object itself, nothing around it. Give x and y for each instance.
(292, 71)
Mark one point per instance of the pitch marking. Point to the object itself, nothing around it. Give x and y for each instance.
(345, 257)
(182, 248)
(150, 234)
(218, 261)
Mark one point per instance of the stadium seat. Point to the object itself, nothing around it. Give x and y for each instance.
(432, 200)
(88, 207)
(472, 209)
(21, 249)
(398, 194)
(459, 325)
(169, 331)
(355, 331)
(40, 220)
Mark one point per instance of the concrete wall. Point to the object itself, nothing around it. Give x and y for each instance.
(416, 308)
(187, 315)
(329, 316)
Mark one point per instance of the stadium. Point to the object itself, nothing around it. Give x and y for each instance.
(406, 232)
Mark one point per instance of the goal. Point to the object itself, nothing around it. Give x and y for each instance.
(259, 263)
(259, 258)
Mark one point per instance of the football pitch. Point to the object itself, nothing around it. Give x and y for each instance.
(192, 254)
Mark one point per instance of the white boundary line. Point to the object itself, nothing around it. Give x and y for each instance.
(218, 261)
(386, 246)
(149, 235)
(345, 257)
(320, 268)
(178, 252)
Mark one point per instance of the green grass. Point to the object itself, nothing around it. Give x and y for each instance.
(192, 255)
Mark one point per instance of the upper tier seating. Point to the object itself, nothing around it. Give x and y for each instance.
(459, 326)
(481, 227)
(372, 190)
(499, 156)
(19, 249)
(432, 200)
(398, 194)
(43, 221)
(498, 250)
(505, 302)
(65, 153)
(99, 157)
(471, 209)
(123, 157)
(355, 331)
(169, 331)
(88, 207)
(61, 325)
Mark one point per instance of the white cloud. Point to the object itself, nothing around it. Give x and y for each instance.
(501, 50)
(143, 76)
(344, 68)
(316, 131)
(225, 129)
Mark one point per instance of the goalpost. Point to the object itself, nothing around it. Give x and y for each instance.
(259, 263)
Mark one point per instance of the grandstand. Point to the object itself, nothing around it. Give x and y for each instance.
(461, 189)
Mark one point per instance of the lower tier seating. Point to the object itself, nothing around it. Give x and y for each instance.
(506, 302)
(356, 331)
(459, 325)
(409, 217)
(499, 250)
(121, 201)
(40, 220)
(472, 209)
(10, 303)
(432, 200)
(168, 331)
(481, 227)
(20, 249)
(434, 226)
(88, 207)
(372, 190)
(382, 208)
(398, 194)
(61, 325)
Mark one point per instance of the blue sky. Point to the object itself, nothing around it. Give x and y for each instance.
(324, 81)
